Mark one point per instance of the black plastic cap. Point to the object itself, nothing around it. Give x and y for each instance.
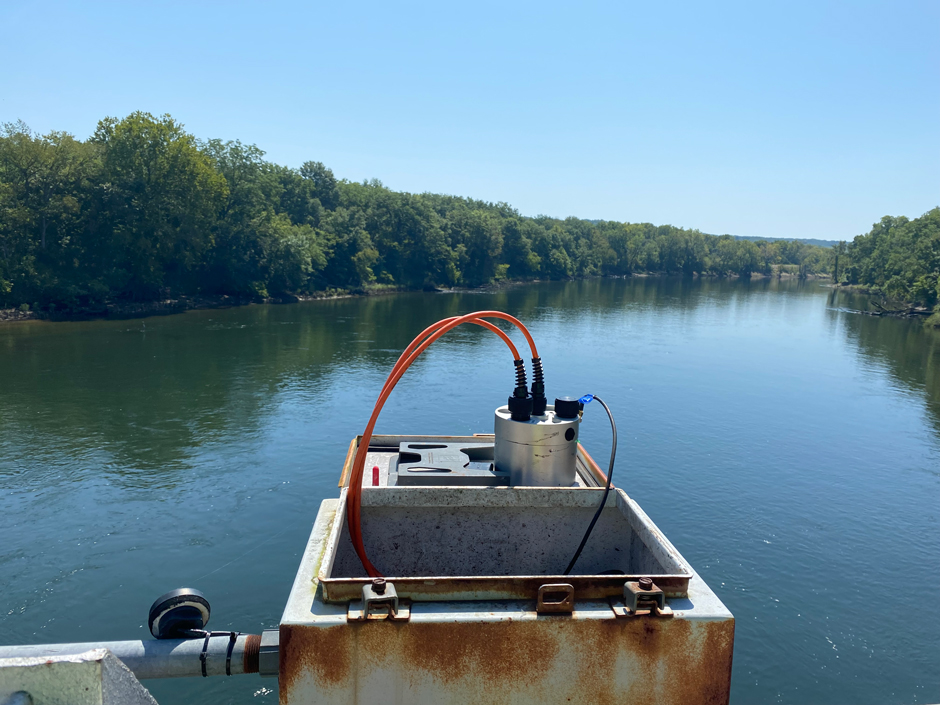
(567, 408)
(520, 409)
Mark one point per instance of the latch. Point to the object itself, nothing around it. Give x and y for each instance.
(554, 598)
(641, 598)
(379, 601)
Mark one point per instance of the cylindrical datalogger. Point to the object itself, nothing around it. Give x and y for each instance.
(542, 450)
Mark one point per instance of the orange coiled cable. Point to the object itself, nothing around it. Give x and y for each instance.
(418, 346)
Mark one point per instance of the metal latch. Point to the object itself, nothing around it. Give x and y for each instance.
(379, 601)
(555, 597)
(641, 598)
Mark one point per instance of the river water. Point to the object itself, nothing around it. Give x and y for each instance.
(790, 450)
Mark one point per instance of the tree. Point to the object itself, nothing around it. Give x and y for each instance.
(162, 200)
(324, 184)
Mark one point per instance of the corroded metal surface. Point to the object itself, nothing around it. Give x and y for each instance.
(500, 652)
(545, 659)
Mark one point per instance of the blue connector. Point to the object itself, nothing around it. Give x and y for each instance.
(586, 399)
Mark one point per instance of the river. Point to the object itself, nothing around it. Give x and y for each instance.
(789, 449)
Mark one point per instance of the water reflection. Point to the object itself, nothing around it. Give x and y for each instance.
(909, 350)
(143, 394)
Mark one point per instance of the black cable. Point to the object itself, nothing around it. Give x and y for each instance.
(610, 472)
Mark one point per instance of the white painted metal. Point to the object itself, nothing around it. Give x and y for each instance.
(93, 677)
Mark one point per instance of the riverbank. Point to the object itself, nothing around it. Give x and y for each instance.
(166, 307)
(889, 307)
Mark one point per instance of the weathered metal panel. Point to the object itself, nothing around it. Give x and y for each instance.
(499, 652)
(505, 657)
(93, 677)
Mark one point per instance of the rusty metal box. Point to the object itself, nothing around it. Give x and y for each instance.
(471, 563)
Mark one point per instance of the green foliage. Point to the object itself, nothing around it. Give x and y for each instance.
(143, 211)
(899, 258)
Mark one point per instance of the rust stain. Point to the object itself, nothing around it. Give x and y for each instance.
(323, 653)
(697, 657)
(252, 651)
(592, 466)
(433, 588)
(552, 658)
(495, 652)
(347, 464)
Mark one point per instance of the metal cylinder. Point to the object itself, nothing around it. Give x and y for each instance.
(540, 452)
(161, 658)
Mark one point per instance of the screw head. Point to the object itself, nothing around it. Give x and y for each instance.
(378, 586)
(646, 583)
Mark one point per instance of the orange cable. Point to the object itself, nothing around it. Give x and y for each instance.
(354, 494)
(430, 329)
(432, 333)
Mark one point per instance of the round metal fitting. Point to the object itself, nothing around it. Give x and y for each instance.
(174, 614)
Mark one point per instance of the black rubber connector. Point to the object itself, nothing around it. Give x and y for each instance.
(521, 389)
(520, 408)
(539, 402)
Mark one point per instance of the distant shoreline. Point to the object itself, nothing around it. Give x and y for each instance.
(168, 307)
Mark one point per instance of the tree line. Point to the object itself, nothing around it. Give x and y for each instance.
(899, 258)
(143, 211)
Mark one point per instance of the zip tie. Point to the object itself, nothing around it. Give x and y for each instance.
(232, 637)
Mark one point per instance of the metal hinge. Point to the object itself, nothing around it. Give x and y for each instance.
(379, 601)
(641, 598)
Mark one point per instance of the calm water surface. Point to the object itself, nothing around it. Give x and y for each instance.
(789, 449)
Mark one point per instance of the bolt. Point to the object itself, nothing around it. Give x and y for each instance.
(646, 583)
(378, 586)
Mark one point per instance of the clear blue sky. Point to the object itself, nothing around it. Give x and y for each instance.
(796, 119)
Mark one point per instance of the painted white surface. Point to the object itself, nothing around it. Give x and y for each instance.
(91, 678)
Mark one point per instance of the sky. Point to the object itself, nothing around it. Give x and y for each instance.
(797, 119)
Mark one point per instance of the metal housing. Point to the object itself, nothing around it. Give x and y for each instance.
(540, 452)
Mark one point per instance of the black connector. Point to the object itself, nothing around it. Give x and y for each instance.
(520, 408)
(538, 388)
(520, 403)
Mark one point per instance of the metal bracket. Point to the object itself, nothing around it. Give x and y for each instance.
(554, 598)
(641, 598)
(379, 601)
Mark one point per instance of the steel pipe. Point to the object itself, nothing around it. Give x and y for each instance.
(161, 658)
